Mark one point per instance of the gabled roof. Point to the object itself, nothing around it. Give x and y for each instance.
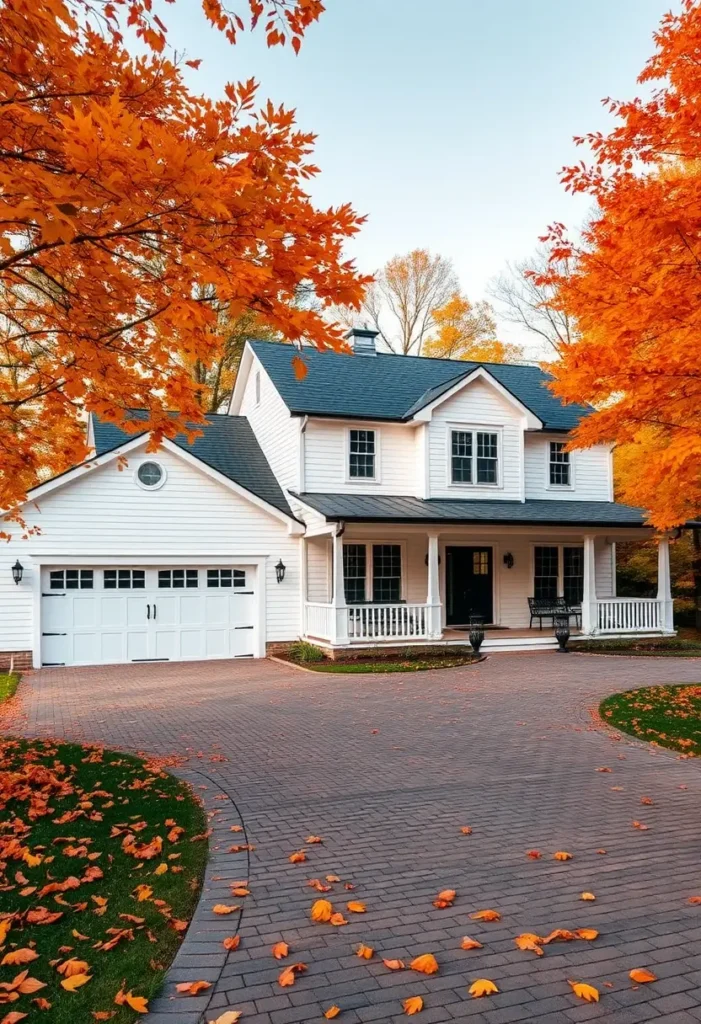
(395, 388)
(227, 444)
(408, 509)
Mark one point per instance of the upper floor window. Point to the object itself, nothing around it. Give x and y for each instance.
(560, 468)
(474, 457)
(361, 454)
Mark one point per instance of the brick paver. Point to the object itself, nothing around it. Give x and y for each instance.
(387, 769)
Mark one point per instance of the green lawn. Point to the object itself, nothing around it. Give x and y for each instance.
(667, 715)
(411, 665)
(8, 685)
(69, 813)
(658, 647)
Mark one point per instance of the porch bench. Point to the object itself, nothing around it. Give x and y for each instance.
(549, 607)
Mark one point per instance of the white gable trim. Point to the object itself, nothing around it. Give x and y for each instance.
(533, 422)
(247, 359)
(141, 440)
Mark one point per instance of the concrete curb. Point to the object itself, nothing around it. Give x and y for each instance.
(202, 956)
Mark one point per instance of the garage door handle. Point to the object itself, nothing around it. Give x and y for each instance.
(154, 613)
(148, 611)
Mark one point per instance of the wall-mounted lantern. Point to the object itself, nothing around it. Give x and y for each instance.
(280, 571)
(17, 570)
(509, 560)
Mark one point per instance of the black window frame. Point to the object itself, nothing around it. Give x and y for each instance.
(474, 457)
(487, 457)
(124, 579)
(71, 579)
(355, 586)
(186, 579)
(461, 450)
(362, 454)
(559, 465)
(573, 582)
(225, 578)
(545, 584)
(386, 585)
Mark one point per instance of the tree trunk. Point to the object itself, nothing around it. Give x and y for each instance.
(696, 570)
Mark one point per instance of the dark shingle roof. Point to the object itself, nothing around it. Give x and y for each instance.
(407, 509)
(227, 444)
(388, 387)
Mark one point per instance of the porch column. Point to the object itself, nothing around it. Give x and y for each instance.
(589, 610)
(339, 615)
(664, 585)
(433, 597)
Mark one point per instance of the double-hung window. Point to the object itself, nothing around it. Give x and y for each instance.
(386, 563)
(573, 575)
(546, 572)
(560, 469)
(354, 572)
(474, 457)
(362, 454)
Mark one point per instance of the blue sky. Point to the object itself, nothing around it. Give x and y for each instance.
(446, 122)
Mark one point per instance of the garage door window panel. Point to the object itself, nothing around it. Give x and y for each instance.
(178, 579)
(125, 579)
(226, 578)
(71, 579)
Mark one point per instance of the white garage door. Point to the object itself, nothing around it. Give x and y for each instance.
(97, 616)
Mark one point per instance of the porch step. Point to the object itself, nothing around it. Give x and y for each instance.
(496, 644)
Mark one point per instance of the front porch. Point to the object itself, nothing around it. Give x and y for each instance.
(436, 581)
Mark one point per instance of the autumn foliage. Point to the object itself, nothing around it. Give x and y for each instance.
(632, 285)
(133, 210)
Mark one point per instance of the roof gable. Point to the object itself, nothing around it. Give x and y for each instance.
(227, 445)
(390, 387)
(434, 397)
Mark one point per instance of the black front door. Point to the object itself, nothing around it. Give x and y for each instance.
(468, 584)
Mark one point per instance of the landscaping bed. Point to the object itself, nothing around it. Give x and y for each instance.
(8, 685)
(408, 659)
(101, 857)
(655, 647)
(669, 716)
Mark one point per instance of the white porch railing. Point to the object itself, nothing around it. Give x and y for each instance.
(387, 622)
(319, 620)
(629, 615)
(368, 621)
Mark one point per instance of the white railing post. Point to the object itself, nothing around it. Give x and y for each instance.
(589, 605)
(339, 614)
(664, 585)
(434, 610)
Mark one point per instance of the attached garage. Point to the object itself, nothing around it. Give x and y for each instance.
(93, 615)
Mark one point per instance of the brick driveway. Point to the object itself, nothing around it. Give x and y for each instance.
(387, 769)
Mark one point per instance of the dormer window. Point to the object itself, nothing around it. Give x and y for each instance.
(362, 453)
(474, 457)
(560, 467)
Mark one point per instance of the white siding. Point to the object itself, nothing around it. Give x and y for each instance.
(326, 459)
(277, 432)
(477, 405)
(318, 569)
(605, 564)
(107, 513)
(591, 471)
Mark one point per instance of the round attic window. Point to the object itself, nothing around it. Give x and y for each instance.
(150, 475)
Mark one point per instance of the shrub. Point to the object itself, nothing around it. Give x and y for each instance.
(305, 652)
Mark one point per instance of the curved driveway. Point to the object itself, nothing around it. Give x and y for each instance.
(387, 769)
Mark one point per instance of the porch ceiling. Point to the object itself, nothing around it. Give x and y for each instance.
(370, 508)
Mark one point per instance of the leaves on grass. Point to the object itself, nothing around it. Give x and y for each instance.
(70, 967)
(468, 943)
(426, 963)
(412, 1005)
(583, 991)
(486, 915)
(137, 1003)
(482, 987)
(19, 956)
(74, 981)
(280, 950)
(641, 975)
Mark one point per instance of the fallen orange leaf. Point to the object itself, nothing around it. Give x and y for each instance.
(229, 1017)
(280, 950)
(333, 1011)
(534, 854)
(529, 942)
(366, 952)
(587, 896)
(223, 908)
(562, 855)
(332, 878)
(192, 988)
(466, 830)
(642, 975)
(161, 869)
(337, 919)
(412, 1005)
(138, 1003)
(639, 825)
(468, 943)
(19, 956)
(297, 857)
(586, 933)
(356, 907)
(559, 933)
(75, 981)
(287, 976)
(482, 987)
(586, 992)
(394, 965)
(445, 899)
(13, 1017)
(486, 915)
(70, 967)
(316, 883)
(232, 942)
(313, 839)
(426, 963)
(321, 911)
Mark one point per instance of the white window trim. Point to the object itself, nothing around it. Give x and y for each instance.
(362, 480)
(558, 487)
(560, 545)
(368, 545)
(474, 429)
(150, 487)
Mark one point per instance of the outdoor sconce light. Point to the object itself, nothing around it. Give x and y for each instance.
(509, 560)
(280, 571)
(17, 570)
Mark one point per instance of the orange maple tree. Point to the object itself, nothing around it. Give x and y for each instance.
(132, 210)
(634, 277)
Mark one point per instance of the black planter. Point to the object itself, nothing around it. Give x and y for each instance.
(476, 632)
(562, 632)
